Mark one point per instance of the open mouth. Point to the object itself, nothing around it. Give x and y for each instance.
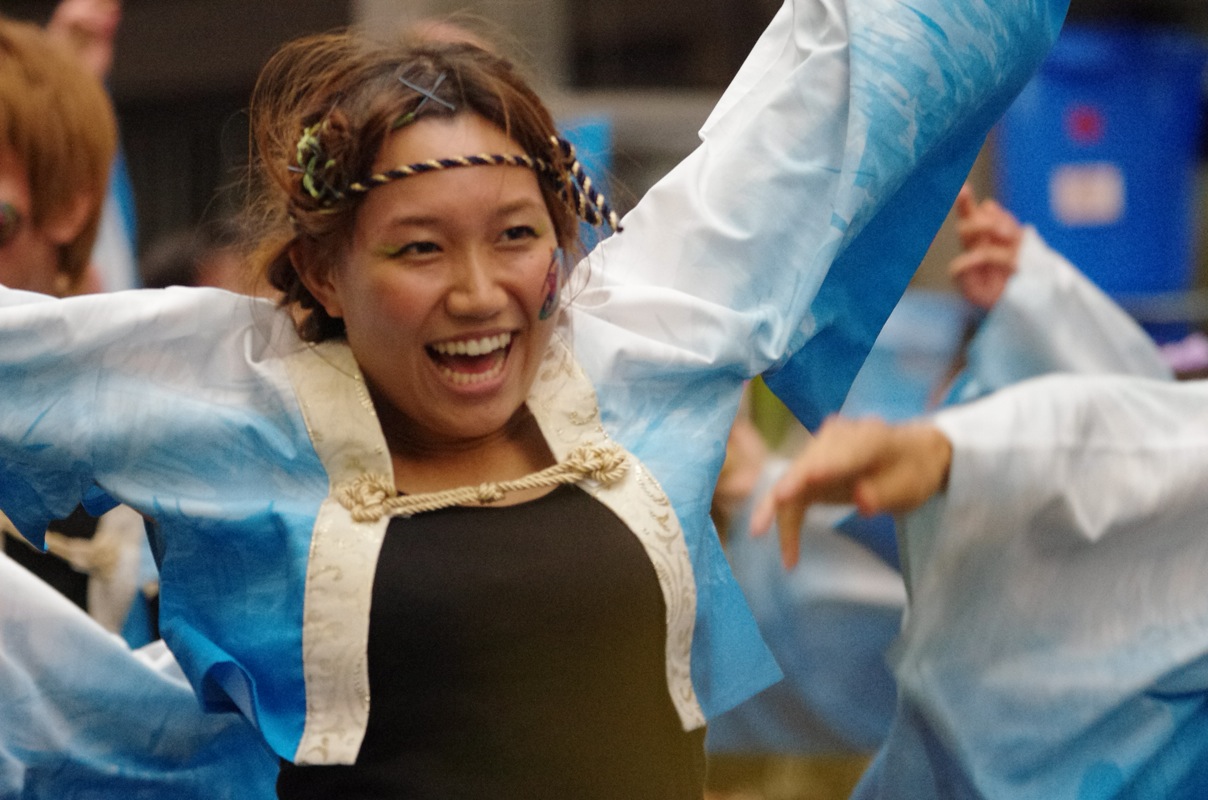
(469, 361)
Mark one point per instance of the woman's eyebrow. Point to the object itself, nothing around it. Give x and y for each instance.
(520, 204)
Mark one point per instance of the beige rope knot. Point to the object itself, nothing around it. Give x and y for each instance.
(489, 493)
(368, 498)
(603, 463)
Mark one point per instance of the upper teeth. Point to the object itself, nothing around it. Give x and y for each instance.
(473, 347)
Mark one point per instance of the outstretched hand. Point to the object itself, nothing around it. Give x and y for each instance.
(990, 237)
(877, 466)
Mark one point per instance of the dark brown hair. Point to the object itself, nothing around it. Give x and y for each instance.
(347, 90)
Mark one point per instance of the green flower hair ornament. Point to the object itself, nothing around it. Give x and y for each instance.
(314, 165)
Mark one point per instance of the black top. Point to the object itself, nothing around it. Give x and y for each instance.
(515, 652)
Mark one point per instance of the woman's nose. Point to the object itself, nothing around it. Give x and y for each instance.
(475, 291)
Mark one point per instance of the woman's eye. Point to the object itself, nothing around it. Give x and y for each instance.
(518, 232)
(409, 249)
(420, 248)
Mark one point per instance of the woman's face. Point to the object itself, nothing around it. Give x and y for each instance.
(442, 286)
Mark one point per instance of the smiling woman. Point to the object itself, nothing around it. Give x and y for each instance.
(441, 291)
(469, 517)
(446, 284)
(443, 281)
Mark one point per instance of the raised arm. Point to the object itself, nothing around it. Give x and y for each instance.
(1043, 315)
(782, 243)
(123, 395)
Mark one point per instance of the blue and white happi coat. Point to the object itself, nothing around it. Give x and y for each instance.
(779, 247)
(832, 620)
(1056, 643)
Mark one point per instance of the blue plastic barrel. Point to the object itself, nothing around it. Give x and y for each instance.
(1099, 153)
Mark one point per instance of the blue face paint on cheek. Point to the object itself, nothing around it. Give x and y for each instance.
(551, 286)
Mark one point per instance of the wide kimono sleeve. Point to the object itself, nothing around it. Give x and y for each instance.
(781, 244)
(177, 403)
(1051, 318)
(136, 397)
(1057, 639)
(23, 475)
(84, 716)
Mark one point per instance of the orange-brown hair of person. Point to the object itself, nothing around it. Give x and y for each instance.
(58, 120)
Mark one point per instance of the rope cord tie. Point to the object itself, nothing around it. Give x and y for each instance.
(437, 164)
(320, 179)
(370, 497)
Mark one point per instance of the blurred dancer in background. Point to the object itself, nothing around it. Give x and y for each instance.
(831, 619)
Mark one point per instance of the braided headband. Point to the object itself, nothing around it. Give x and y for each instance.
(577, 187)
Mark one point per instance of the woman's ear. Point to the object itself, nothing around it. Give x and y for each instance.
(316, 279)
(69, 222)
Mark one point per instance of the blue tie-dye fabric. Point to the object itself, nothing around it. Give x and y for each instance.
(175, 404)
(783, 242)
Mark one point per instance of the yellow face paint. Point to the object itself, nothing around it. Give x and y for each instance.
(387, 250)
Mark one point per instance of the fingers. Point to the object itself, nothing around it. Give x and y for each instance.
(876, 466)
(984, 224)
(824, 472)
(762, 516)
(981, 274)
(990, 257)
(966, 202)
(788, 517)
(991, 237)
(1002, 224)
(982, 288)
(988, 221)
